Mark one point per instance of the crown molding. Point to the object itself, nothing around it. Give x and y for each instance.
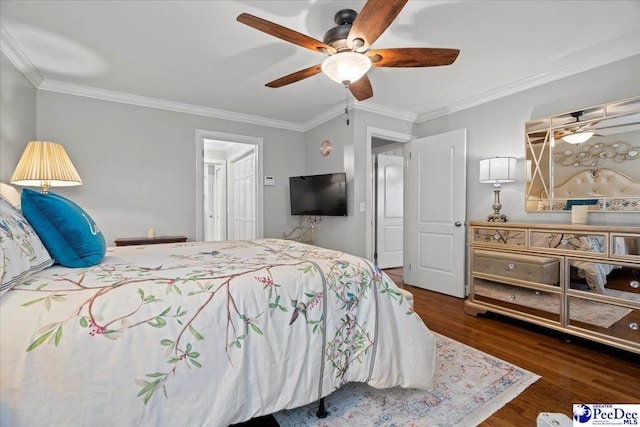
(336, 111)
(326, 116)
(17, 57)
(127, 98)
(161, 104)
(623, 47)
(383, 110)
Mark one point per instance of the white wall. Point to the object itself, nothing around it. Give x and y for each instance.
(333, 232)
(497, 128)
(349, 154)
(138, 164)
(17, 116)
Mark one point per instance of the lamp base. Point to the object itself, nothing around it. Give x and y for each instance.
(497, 217)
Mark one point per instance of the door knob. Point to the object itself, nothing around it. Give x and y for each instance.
(457, 223)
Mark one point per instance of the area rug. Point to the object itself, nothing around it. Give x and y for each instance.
(468, 387)
(593, 313)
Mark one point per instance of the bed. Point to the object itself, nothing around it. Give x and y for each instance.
(202, 333)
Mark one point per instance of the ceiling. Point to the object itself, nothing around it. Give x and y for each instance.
(194, 56)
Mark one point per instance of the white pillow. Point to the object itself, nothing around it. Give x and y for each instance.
(10, 194)
(21, 250)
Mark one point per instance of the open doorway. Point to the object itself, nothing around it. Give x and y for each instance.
(228, 190)
(384, 141)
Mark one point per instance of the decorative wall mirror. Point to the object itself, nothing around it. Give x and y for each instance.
(589, 157)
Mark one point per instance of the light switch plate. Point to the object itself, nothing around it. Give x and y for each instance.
(269, 180)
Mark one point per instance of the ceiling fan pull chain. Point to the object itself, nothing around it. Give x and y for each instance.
(346, 102)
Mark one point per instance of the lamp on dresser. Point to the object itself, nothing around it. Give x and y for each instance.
(45, 164)
(497, 170)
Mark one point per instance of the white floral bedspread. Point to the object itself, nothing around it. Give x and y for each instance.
(202, 334)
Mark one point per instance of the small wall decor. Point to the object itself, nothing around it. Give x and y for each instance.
(325, 147)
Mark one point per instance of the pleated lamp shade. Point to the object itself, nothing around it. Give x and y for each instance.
(45, 164)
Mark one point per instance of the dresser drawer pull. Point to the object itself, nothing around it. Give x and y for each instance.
(511, 266)
(634, 284)
(513, 298)
(633, 326)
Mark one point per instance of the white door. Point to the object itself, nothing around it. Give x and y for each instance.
(220, 209)
(215, 202)
(437, 169)
(244, 211)
(390, 215)
(209, 201)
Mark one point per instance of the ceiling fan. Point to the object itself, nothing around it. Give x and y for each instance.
(576, 132)
(348, 45)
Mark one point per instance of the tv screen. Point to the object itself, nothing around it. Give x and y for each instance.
(319, 194)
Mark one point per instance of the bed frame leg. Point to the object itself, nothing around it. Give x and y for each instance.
(322, 410)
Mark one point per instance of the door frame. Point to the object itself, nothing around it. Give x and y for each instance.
(394, 136)
(201, 135)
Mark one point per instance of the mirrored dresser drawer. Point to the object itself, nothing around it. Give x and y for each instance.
(530, 268)
(589, 243)
(612, 279)
(605, 320)
(499, 236)
(625, 246)
(533, 302)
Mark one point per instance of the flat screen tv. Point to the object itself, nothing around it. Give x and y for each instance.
(319, 194)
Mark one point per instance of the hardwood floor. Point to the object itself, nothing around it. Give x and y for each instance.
(572, 370)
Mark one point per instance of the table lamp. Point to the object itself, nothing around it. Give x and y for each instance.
(45, 164)
(497, 170)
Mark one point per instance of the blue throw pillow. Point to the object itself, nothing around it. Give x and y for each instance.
(68, 232)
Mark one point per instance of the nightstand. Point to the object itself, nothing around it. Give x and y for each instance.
(132, 241)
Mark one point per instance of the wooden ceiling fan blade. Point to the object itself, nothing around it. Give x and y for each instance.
(373, 19)
(295, 77)
(361, 88)
(284, 33)
(412, 57)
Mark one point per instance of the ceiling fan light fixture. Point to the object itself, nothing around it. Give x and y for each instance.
(577, 138)
(346, 67)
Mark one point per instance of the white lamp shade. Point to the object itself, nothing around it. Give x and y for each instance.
(346, 67)
(45, 164)
(498, 170)
(577, 138)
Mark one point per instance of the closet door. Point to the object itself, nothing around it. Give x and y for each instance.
(244, 209)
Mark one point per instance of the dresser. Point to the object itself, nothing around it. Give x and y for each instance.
(583, 280)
